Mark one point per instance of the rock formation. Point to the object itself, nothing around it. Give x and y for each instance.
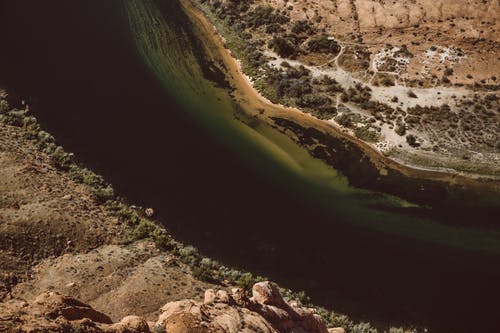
(220, 312)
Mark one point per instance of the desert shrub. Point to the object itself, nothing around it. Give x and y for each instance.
(302, 297)
(303, 27)
(283, 47)
(400, 129)
(358, 94)
(4, 106)
(85, 176)
(103, 194)
(293, 88)
(188, 251)
(13, 117)
(143, 230)
(366, 133)
(339, 320)
(314, 101)
(288, 85)
(412, 140)
(412, 94)
(246, 281)
(324, 112)
(396, 330)
(323, 44)
(285, 64)
(62, 159)
(363, 328)
(344, 119)
(344, 97)
(208, 263)
(44, 137)
(163, 240)
(387, 81)
(274, 28)
(126, 214)
(203, 274)
(255, 59)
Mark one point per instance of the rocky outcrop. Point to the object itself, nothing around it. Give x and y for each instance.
(221, 312)
(50, 312)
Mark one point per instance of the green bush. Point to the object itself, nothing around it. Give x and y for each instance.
(62, 159)
(85, 176)
(189, 252)
(126, 214)
(303, 27)
(143, 230)
(363, 328)
(13, 117)
(396, 330)
(203, 274)
(400, 129)
(4, 106)
(314, 100)
(323, 44)
(283, 47)
(339, 320)
(274, 28)
(366, 133)
(246, 281)
(103, 194)
(411, 94)
(412, 140)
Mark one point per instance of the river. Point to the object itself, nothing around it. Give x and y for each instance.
(163, 130)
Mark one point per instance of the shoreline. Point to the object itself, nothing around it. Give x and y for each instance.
(252, 101)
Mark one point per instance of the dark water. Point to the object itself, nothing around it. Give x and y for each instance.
(78, 68)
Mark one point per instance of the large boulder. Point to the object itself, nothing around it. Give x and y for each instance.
(268, 302)
(267, 293)
(54, 305)
(129, 324)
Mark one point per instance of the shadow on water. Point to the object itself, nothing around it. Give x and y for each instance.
(79, 70)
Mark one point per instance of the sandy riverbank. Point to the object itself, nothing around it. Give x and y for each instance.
(257, 105)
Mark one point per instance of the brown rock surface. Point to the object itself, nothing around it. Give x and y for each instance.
(266, 311)
(52, 312)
